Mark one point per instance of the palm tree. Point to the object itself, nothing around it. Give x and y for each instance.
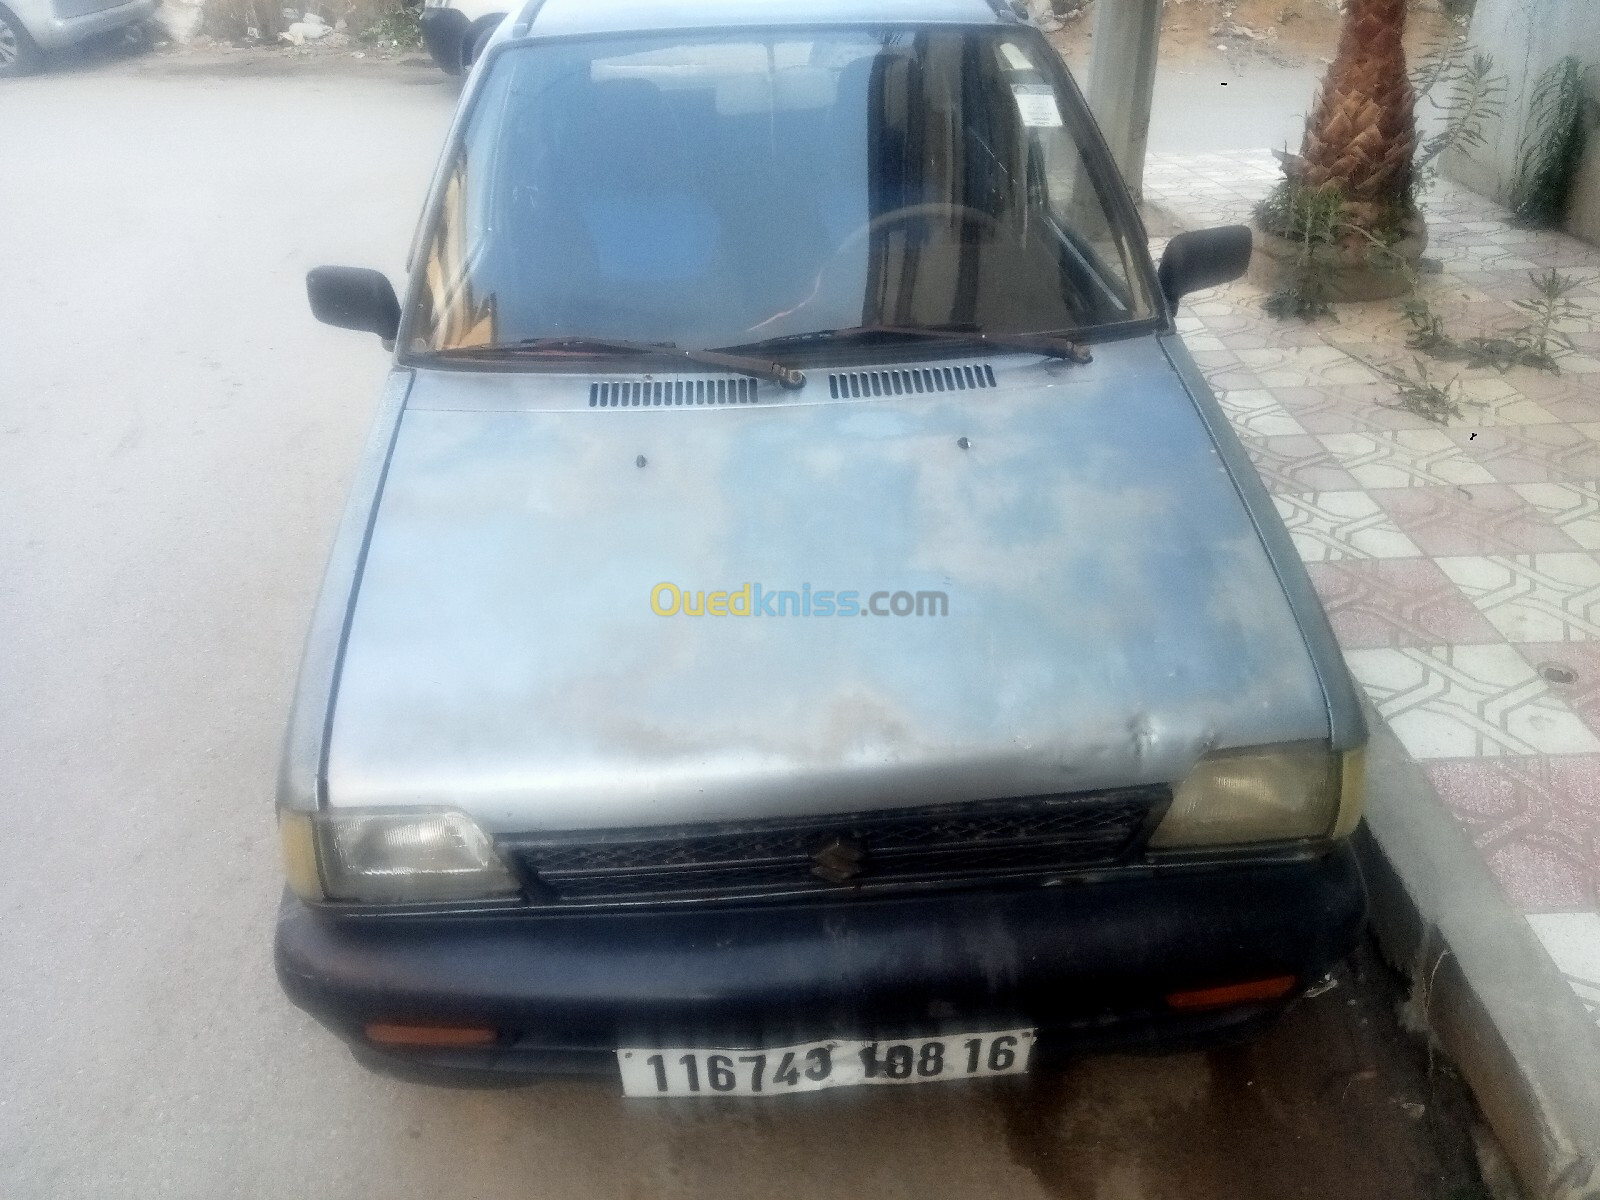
(1361, 134)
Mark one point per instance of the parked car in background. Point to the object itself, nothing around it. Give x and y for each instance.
(29, 29)
(803, 618)
(455, 31)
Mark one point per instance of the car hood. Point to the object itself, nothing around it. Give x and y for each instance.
(1112, 613)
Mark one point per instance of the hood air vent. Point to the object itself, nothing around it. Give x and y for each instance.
(645, 394)
(915, 379)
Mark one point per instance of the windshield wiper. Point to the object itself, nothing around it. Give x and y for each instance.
(1053, 345)
(739, 364)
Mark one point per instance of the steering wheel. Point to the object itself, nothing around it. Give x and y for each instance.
(961, 213)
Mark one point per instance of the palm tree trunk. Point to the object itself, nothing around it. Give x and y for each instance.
(1362, 132)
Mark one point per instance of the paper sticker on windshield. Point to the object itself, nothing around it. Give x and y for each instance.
(1015, 58)
(1037, 104)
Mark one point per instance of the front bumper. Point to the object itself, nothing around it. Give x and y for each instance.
(1088, 965)
(444, 33)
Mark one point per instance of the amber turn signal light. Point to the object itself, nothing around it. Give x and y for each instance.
(1254, 992)
(391, 1033)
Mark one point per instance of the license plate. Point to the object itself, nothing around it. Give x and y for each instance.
(812, 1066)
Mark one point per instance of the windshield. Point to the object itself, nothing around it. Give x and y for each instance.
(724, 190)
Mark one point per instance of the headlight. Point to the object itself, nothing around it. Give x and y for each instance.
(392, 856)
(1267, 794)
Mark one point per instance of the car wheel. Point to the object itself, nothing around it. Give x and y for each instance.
(475, 41)
(18, 54)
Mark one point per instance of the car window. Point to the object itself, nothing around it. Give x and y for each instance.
(718, 190)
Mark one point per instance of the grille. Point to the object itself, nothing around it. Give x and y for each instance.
(643, 394)
(908, 381)
(950, 846)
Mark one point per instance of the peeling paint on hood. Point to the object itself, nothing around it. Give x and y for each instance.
(1112, 612)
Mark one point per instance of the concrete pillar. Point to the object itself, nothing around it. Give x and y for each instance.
(1122, 79)
(1527, 38)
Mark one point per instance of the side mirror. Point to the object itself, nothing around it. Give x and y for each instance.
(1203, 258)
(354, 298)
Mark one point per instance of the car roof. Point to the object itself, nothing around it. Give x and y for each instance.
(564, 18)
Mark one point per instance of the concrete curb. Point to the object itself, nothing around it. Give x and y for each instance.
(1482, 983)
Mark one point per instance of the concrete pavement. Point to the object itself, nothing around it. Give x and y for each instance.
(175, 436)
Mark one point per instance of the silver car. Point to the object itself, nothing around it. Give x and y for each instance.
(31, 28)
(802, 618)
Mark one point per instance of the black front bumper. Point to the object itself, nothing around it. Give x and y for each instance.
(444, 33)
(1088, 965)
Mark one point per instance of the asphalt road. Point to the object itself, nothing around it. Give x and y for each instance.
(175, 438)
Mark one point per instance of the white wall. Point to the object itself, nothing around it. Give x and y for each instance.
(1526, 37)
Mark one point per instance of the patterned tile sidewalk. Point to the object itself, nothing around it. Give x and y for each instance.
(1460, 564)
